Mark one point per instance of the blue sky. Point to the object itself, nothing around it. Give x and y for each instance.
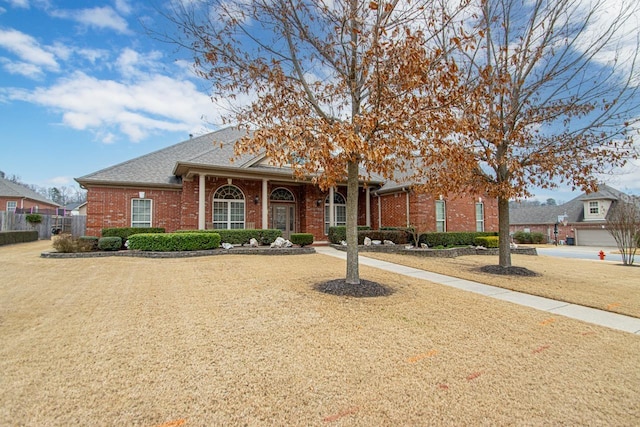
(83, 87)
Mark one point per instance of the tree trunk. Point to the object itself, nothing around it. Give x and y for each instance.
(353, 275)
(503, 232)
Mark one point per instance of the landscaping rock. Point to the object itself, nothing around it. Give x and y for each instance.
(253, 243)
(367, 241)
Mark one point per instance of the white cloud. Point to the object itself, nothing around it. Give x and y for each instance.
(24, 4)
(97, 17)
(28, 49)
(130, 63)
(22, 68)
(123, 7)
(137, 109)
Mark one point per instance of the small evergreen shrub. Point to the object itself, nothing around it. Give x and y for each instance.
(168, 242)
(487, 241)
(34, 218)
(522, 237)
(339, 233)
(109, 243)
(90, 241)
(537, 238)
(125, 232)
(302, 239)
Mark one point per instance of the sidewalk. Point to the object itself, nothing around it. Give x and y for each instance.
(586, 314)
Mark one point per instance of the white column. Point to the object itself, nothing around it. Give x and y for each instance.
(201, 210)
(368, 207)
(265, 205)
(332, 213)
(408, 213)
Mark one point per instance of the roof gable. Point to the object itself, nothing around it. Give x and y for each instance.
(11, 189)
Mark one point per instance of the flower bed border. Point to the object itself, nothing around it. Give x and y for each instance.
(183, 254)
(437, 253)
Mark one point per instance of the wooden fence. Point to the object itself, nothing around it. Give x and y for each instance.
(76, 225)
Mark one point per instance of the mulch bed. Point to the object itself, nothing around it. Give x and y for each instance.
(508, 271)
(365, 289)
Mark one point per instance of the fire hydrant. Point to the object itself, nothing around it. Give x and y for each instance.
(601, 255)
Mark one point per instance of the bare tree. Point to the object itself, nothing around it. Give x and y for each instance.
(552, 97)
(339, 89)
(623, 224)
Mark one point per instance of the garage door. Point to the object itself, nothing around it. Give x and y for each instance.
(594, 238)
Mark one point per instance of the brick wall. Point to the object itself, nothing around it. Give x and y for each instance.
(460, 211)
(24, 203)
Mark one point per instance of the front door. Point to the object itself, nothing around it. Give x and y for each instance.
(283, 217)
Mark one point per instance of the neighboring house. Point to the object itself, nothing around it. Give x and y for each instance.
(18, 198)
(76, 208)
(195, 185)
(581, 221)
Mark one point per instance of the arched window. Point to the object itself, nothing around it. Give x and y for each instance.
(339, 211)
(228, 208)
(282, 195)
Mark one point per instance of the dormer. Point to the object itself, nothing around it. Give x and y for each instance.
(596, 205)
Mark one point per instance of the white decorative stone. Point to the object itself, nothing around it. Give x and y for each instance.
(409, 247)
(376, 242)
(514, 245)
(343, 243)
(388, 242)
(253, 243)
(367, 241)
(424, 246)
(281, 243)
(226, 245)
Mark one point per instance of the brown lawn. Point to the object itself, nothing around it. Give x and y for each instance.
(245, 340)
(604, 285)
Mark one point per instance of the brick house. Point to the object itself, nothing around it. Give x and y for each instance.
(195, 185)
(18, 198)
(581, 221)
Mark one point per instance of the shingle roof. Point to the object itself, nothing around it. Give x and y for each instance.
(212, 149)
(11, 189)
(574, 209)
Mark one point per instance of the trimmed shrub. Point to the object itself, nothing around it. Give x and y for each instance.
(242, 236)
(168, 242)
(396, 236)
(487, 241)
(522, 237)
(537, 237)
(90, 241)
(109, 243)
(301, 239)
(453, 238)
(125, 232)
(339, 233)
(10, 237)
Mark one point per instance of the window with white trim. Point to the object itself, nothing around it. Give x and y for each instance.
(441, 216)
(339, 211)
(11, 206)
(141, 213)
(480, 216)
(594, 208)
(228, 208)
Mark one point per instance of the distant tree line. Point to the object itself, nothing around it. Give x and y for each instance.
(62, 195)
(513, 204)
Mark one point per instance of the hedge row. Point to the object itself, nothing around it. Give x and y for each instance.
(10, 237)
(339, 233)
(166, 242)
(399, 237)
(453, 238)
(242, 236)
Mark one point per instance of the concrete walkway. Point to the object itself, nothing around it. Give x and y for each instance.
(586, 314)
